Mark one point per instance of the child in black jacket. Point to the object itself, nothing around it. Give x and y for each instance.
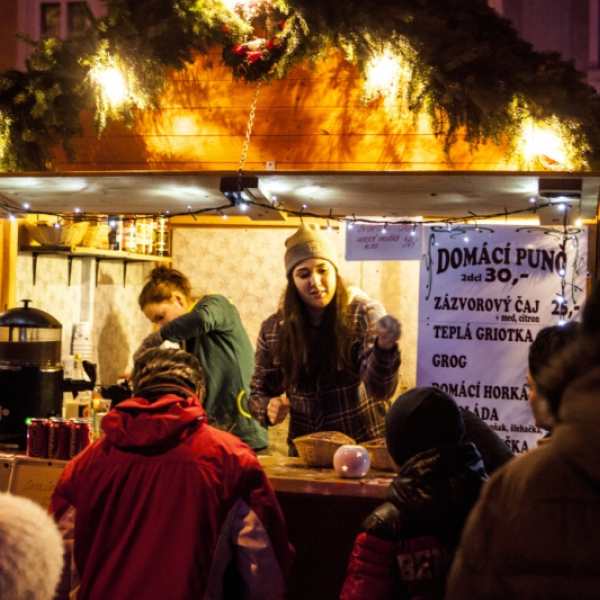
(406, 544)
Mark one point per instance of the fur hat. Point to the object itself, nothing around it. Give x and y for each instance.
(421, 419)
(31, 550)
(308, 242)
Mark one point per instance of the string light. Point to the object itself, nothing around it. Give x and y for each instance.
(351, 221)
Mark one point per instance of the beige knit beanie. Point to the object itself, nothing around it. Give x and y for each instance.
(308, 242)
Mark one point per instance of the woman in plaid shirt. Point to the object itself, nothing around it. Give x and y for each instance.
(329, 356)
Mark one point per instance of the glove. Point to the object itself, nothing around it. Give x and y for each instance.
(150, 341)
(388, 332)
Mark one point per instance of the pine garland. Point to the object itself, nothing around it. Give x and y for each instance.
(468, 68)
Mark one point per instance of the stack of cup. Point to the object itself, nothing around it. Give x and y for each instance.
(82, 340)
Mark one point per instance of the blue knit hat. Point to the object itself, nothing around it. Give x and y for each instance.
(421, 419)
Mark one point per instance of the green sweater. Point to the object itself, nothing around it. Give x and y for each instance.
(213, 332)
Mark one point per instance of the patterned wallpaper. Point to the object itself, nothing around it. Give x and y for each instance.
(117, 324)
(245, 265)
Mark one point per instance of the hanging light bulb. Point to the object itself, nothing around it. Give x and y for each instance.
(383, 70)
(543, 143)
(384, 76)
(248, 8)
(112, 81)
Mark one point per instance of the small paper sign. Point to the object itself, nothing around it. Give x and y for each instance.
(383, 242)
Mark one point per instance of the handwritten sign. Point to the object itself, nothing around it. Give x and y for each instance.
(383, 242)
(35, 478)
(484, 295)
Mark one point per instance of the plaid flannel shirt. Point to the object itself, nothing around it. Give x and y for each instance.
(353, 402)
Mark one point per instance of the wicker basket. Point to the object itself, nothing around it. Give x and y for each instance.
(47, 234)
(379, 455)
(96, 236)
(317, 449)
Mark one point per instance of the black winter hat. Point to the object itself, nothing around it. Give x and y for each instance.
(421, 419)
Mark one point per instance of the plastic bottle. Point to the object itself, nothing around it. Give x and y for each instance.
(78, 374)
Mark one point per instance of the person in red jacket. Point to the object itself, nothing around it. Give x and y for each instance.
(166, 506)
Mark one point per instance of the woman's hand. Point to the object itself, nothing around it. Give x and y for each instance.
(277, 409)
(388, 332)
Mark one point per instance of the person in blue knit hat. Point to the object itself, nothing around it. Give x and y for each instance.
(406, 544)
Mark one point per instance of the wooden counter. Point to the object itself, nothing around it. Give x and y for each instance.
(291, 475)
(323, 514)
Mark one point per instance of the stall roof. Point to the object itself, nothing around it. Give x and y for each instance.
(394, 194)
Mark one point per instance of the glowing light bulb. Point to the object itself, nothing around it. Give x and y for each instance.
(112, 82)
(382, 70)
(383, 76)
(542, 143)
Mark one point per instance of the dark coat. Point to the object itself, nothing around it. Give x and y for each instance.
(534, 534)
(406, 544)
(493, 450)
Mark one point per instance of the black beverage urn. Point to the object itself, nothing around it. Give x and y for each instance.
(31, 372)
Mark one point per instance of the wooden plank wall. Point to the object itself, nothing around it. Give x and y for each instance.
(8, 263)
(309, 121)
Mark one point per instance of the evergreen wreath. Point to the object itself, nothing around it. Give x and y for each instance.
(467, 67)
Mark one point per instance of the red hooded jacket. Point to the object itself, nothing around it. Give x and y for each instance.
(165, 506)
